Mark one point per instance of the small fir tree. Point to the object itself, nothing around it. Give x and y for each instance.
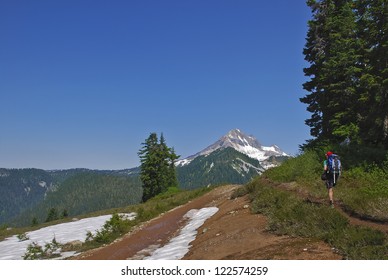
(52, 215)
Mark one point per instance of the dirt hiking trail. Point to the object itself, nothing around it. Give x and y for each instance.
(353, 218)
(232, 233)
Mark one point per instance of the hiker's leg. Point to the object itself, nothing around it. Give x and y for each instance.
(331, 195)
(331, 187)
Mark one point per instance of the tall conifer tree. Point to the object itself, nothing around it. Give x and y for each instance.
(157, 166)
(347, 46)
(372, 16)
(331, 49)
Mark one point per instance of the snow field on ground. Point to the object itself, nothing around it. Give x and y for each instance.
(179, 245)
(13, 248)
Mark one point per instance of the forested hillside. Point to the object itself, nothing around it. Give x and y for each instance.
(30, 195)
(22, 189)
(85, 193)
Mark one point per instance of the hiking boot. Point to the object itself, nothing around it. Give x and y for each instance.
(331, 204)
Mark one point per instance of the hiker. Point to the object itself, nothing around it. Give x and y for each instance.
(332, 168)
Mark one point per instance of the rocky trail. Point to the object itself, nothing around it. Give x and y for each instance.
(232, 233)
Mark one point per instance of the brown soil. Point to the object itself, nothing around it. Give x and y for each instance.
(232, 233)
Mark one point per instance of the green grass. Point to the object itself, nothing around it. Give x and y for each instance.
(301, 168)
(290, 215)
(362, 190)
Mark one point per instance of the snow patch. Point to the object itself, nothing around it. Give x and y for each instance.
(247, 166)
(5, 174)
(183, 162)
(179, 245)
(13, 249)
(27, 190)
(210, 167)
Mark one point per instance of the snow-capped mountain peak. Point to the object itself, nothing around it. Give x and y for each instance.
(241, 142)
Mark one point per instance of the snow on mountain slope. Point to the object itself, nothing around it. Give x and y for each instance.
(241, 142)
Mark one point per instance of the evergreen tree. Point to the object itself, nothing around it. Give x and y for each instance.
(372, 16)
(331, 49)
(157, 166)
(64, 214)
(173, 178)
(34, 222)
(346, 47)
(52, 215)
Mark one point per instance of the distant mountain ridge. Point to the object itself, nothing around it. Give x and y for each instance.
(242, 143)
(235, 158)
(30, 192)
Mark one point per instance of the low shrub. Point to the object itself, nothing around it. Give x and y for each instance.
(306, 166)
(117, 225)
(359, 243)
(291, 215)
(239, 192)
(36, 252)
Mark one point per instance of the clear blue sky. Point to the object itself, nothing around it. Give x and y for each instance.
(84, 83)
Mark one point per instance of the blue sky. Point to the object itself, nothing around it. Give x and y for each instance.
(84, 83)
